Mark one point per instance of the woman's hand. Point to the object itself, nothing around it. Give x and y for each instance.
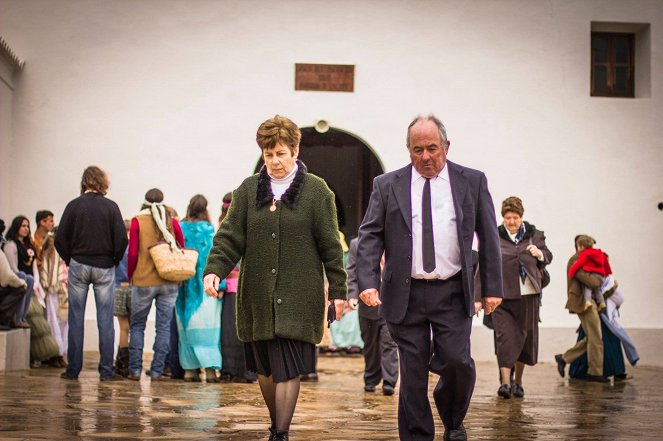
(353, 303)
(535, 252)
(339, 305)
(477, 307)
(211, 285)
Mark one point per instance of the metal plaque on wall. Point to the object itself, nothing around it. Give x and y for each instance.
(325, 77)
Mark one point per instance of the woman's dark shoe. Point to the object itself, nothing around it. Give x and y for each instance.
(122, 362)
(598, 378)
(504, 391)
(54, 362)
(272, 434)
(561, 364)
(517, 390)
(242, 380)
(281, 436)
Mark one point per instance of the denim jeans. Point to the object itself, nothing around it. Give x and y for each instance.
(23, 307)
(141, 302)
(103, 284)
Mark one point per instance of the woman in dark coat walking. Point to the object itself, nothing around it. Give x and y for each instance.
(282, 225)
(516, 321)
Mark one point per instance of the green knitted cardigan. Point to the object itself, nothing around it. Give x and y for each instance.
(284, 254)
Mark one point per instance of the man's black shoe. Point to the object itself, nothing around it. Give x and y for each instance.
(387, 389)
(561, 364)
(369, 388)
(457, 434)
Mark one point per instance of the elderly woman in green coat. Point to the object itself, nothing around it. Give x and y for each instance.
(282, 225)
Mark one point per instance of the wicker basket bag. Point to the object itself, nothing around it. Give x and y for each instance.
(173, 263)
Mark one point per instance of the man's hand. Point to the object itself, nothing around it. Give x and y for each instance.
(353, 303)
(124, 285)
(371, 297)
(211, 285)
(490, 304)
(339, 305)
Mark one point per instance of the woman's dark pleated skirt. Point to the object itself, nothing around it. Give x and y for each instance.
(516, 323)
(282, 358)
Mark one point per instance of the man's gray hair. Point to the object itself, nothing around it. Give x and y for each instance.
(430, 117)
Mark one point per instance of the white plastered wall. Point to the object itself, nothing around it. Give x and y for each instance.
(169, 94)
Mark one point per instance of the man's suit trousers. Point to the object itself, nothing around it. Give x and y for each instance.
(435, 316)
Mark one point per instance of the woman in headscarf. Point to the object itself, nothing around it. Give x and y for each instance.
(151, 225)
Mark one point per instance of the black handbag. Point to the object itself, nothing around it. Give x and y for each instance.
(331, 313)
(545, 277)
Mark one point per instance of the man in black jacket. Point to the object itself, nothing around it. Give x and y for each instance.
(91, 239)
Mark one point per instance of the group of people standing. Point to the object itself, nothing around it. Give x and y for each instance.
(276, 262)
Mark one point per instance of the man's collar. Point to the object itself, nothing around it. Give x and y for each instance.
(444, 174)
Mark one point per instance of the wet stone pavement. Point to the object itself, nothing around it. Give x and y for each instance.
(38, 405)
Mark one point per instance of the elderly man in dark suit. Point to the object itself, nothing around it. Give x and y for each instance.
(424, 216)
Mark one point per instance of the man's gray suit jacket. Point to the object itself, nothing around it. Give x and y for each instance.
(387, 226)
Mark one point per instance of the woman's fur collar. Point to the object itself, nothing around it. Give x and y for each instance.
(265, 196)
(529, 232)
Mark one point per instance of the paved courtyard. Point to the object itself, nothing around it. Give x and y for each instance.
(38, 405)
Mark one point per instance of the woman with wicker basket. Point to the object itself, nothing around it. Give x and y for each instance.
(152, 225)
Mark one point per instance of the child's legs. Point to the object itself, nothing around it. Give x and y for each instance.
(598, 297)
(123, 321)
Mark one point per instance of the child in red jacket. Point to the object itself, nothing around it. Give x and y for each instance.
(594, 261)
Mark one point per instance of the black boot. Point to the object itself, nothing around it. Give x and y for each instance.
(281, 436)
(122, 362)
(272, 433)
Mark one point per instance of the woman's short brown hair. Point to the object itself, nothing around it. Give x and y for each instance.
(94, 179)
(513, 204)
(278, 130)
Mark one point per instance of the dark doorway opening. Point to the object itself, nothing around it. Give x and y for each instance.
(348, 165)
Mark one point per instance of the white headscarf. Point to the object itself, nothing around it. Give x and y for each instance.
(158, 212)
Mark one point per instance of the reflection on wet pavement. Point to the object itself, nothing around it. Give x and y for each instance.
(38, 405)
